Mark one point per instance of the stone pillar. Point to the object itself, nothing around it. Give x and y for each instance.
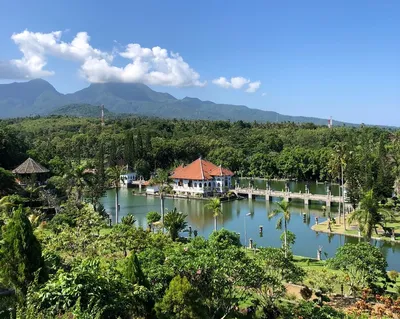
(140, 186)
(319, 253)
(328, 203)
(250, 195)
(251, 243)
(287, 187)
(306, 201)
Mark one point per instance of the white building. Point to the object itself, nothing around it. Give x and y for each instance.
(201, 178)
(127, 179)
(152, 189)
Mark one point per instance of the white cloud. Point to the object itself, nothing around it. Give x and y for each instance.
(150, 66)
(253, 86)
(263, 94)
(154, 66)
(222, 82)
(237, 83)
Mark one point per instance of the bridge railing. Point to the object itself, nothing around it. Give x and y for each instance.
(270, 192)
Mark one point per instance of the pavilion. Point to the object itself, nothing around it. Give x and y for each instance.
(30, 170)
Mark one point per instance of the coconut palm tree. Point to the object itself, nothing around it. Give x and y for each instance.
(215, 206)
(114, 174)
(78, 177)
(163, 181)
(337, 166)
(129, 220)
(175, 222)
(283, 208)
(369, 214)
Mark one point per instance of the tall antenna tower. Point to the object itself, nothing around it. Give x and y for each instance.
(102, 115)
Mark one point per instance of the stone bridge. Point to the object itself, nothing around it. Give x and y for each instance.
(251, 192)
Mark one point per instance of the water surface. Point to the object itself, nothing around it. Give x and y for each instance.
(235, 219)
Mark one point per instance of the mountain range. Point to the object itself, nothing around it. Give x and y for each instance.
(39, 97)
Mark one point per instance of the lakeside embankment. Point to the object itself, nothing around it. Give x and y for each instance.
(352, 230)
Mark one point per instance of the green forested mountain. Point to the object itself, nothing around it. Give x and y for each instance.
(29, 98)
(40, 97)
(80, 110)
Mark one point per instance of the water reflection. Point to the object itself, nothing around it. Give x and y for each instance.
(303, 217)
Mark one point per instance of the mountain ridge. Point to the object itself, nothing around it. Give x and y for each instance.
(39, 97)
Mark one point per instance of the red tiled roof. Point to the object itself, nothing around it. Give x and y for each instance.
(200, 170)
(221, 171)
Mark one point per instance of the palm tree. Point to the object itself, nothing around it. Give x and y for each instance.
(283, 208)
(152, 217)
(8, 203)
(114, 173)
(369, 214)
(175, 222)
(215, 206)
(78, 177)
(128, 220)
(338, 165)
(163, 181)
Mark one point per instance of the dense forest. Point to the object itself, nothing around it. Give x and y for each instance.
(369, 156)
(60, 258)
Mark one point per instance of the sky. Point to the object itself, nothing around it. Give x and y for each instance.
(311, 58)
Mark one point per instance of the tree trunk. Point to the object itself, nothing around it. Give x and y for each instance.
(116, 205)
(285, 234)
(162, 209)
(344, 212)
(340, 204)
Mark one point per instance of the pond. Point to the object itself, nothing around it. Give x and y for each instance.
(235, 219)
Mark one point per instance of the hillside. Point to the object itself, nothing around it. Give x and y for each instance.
(38, 97)
(80, 110)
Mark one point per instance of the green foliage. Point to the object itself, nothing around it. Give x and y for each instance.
(180, 301)
(369, 214)
(7, 183)
(175, 222)
(363, 264)
(153, 217)
(310, 310)
(80, 110)
(12, 147)
(20, 255)
(306, 293)
(223, 239)
(128, 220)
(215, 206)
(133, 271)
(93, 288)
(276, 264)
(284, 210)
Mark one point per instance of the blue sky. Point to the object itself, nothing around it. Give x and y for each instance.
(310, 58)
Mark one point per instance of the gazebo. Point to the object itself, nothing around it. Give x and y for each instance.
(30, 169)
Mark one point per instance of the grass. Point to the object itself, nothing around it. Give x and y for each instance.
(352, 229)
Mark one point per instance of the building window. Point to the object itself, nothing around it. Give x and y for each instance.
(195, 184)
(218, 184)
(209, 184)
(200, 185)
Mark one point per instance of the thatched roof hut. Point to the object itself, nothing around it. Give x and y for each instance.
(30, 167)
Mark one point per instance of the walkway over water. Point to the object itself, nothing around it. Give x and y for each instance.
(287, 195)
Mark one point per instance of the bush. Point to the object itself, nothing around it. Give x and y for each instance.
(224, 238)
(306, 293)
